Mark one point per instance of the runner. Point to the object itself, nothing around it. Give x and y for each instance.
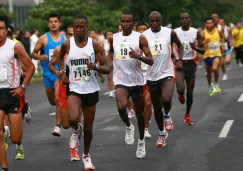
(128, 77)
(49, 41)
(106, 48)
(189, 36)
(141, 27)
(12, 93)
(160, 78)
(212, 40)
(84, 88)
(237, 34)
(227, 46)
(62, 88)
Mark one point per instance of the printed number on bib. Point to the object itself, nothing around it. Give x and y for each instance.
(81, 73)
(123, 51)
(157, 46)
(50, 53)
(213, 47)
(187, 50)
(3, 73)
(225, 45)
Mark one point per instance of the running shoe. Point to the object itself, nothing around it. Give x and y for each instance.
(141, 151)
(168, 123)
(212, 90)
(131, 114)
(129, 137)
(181, 98)
(217, 88)
(74, 155)
(161, 140)
(57, 131)
(147, 135)
(19, 153)
(75, 138)
(188, 120)
(87, 162)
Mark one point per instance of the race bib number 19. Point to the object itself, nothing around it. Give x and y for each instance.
(50, 53)
(124, 49)
(3, 73)
(81, 73)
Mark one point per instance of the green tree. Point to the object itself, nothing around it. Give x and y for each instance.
(5, 12)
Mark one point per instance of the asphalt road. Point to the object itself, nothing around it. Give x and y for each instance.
(189, 148)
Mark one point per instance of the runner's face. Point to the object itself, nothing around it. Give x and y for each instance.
(155, 23)
(209, 24)
(3, 31)
(127, 23)
(221, 22)
(80, 27)
(109, 35)
(215, 18)
(70, 32)
(141, 28)
(54, 24)
(185, 20)
(92, 34)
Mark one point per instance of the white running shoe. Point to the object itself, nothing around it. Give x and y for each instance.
(111, 94)
(129, 137)
(87, 162)
(147, 134)
(141, 151)
(57, 131)
(225, 77)
(75, 138)
(131, 114)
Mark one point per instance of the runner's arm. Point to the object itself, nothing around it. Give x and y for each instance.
(143, 43)
(39, 45)
(53, 61)
(176, 40)
(21, 54)
(200, 49)
(63, 52)
(110, 54)
(103, 66)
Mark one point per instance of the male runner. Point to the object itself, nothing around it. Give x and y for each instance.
(188, 36)
(49, 41)
(237, 34)
(213, 38)
(160, 77)
(141, 27)
(128, 77)
(83, 52)
(11, 92)
(62, 88)
(227, 46)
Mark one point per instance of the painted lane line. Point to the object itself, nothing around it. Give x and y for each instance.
(241, 98)
(225, 130)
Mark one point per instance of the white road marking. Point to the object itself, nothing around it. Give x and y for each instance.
(225, 130)
(52, 114)
(241, 98)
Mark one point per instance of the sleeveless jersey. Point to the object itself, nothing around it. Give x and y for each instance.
(227, 41)
(126, 71)
(212, 49)
(82, 80)
(10, 67)
(106, 47)
(160, 47)
(187, 37)
(48, 50)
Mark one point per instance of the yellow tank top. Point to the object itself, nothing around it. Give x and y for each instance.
(212, 49)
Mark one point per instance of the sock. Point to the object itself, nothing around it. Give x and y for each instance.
(4, 169)
(6, 128)
(167, 115)
(78, 130)
(162, 133)
(19, 146)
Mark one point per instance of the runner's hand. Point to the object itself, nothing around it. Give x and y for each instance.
(44, 58)
(18, 92)
(178, 64)
(57, 73)
(193, 46)
(134, 54)
(91, 66)
(65, 80)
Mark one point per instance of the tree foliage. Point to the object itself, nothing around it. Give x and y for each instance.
(5, 12)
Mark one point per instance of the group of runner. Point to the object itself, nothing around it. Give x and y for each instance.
(145, 60)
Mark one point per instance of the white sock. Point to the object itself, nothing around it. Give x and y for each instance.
(78, 130)
(167, 115)
(162, 132)
(19, 146)
(6, 130)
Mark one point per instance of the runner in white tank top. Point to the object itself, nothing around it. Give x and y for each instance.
(141, 27)
(83, 52)
(128, 77)
(161, 74)
(11, 92)
(189, 37)
(109, 35)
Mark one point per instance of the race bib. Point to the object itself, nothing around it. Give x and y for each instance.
(50, 53)
(3, 73)
(213, 47)
(123, 51)
(187, 50)
(157, 46)
(225, 45)
(81, 73)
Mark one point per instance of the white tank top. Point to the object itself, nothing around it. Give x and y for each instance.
(106, 47)
(82, 80)
(186, 37)
(160, 47)
(10, 67)
(126, 71)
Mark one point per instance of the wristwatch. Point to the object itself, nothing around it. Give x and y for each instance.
(141, 57)
(24, 86)
(62, 72)
(97, 67)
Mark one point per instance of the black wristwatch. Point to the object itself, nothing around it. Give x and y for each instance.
(24, 86)
(141, 57)
(97, 67)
